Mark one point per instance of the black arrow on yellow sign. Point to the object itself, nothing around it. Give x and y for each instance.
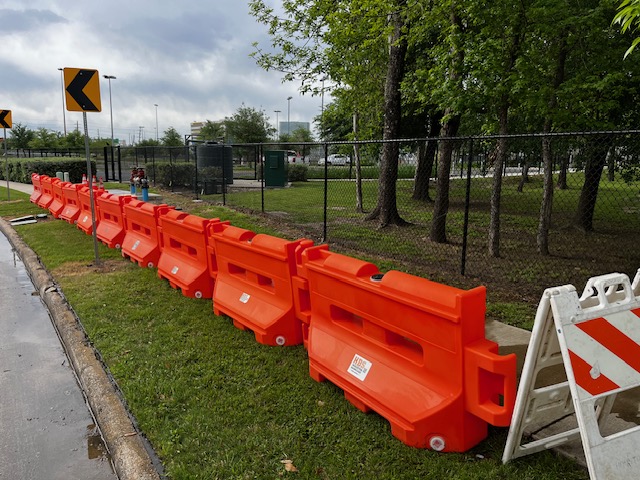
(82, 89)
(5, 119)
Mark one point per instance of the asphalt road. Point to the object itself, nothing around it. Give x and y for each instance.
(46, 429)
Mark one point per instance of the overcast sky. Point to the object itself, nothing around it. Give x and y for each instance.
(191, 58)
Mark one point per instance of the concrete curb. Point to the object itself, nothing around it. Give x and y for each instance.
(130, 459)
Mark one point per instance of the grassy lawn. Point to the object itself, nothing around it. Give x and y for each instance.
(216, 404)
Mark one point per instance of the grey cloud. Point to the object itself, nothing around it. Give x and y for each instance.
(25, 20)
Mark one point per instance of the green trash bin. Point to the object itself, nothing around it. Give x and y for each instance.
(275, 168)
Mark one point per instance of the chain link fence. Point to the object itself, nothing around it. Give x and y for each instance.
(489, 227)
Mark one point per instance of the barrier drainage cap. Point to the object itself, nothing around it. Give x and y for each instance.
(377, 277)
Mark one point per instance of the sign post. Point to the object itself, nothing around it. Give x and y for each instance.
(5, 121)
(82, 94)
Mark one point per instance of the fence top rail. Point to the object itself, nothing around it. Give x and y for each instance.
(439, 139)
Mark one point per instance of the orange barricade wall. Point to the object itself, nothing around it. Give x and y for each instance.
(410, 349)
(253, 284)
(47, 192)
(71, 209)
(111, 229)
(57, 205)
(84, 199)
(183, 259)
(141, 242)
(37, 188)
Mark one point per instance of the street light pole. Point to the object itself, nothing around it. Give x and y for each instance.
(277, 112)
(109, 78)
(289, 115)
(156, 105)
(64, 119)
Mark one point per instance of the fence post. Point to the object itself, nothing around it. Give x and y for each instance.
(262, 177)
(326, 186)
(106, 163)
(467, 201)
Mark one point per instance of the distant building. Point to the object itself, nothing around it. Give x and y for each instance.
(195, 129)
(290, 127)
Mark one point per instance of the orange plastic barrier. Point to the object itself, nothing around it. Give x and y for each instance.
(410, 349)
(57, 205)
(111, 229)
(141, 242)
(84, 199)
(37, 188)
(253, 283)
(47, 191)
(71, 210)
(183, 259)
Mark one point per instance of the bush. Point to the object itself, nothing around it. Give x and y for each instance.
(297, 173)
(176, 174)
(20, 169)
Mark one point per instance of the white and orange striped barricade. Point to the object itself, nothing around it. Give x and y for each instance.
(596, 339)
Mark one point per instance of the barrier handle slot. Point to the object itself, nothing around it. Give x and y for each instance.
(490, 378)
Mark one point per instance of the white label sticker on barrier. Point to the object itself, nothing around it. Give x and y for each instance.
(597, 339)
(359, 367)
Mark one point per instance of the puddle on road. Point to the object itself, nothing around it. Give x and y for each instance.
(96, 449)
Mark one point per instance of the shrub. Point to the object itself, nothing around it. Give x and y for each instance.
(20, 169)
(297, 173)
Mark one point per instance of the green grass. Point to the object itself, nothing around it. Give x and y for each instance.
(216, 404)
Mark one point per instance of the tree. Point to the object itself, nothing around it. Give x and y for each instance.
(74, 139)
(628, 17)
(386, 210)
(214, 131)
(20, 136)
(248, 125)
(172, 138)
(44, 138)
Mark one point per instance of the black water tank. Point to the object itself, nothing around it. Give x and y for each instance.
(216, 155)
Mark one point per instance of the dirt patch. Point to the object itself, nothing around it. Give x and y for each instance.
(77, 269)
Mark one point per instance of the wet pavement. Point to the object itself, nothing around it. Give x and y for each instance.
(46, 429)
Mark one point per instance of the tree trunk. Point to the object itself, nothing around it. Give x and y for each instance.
(546, 207)
(386, 211)
(544, 222)
(496, 193)
(597, 148)
(356, 156)
(426, 159)
(441, 205)
(524, 177)
(562, 176)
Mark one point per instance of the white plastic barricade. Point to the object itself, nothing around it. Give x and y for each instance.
(596, 338)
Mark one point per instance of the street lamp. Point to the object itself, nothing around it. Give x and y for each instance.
(156, 105)
(277, 112)
(109, 78)
(289, 115)
(64, 120)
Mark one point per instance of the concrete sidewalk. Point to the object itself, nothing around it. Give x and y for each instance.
(47, 429)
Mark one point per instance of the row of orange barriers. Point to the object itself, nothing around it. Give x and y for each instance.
(412, 350)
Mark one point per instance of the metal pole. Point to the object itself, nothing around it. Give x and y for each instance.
(262, 178)
(277, 123)
(6, 160)
(64, 119)
(156, 105)
(326, 186)
(289, 115)
(463, 260)
(91, 196)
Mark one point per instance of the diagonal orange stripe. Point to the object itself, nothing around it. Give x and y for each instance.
(613, 340)
(581, 372)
